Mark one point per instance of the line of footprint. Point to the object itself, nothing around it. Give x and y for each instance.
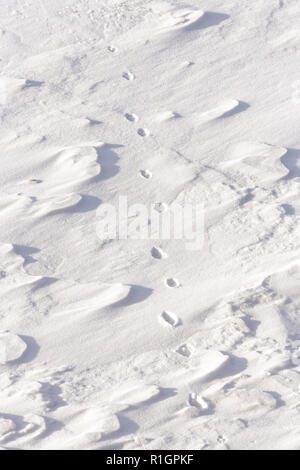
(166, 318)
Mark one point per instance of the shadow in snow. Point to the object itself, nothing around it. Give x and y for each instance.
(33, 84)
(108, 159)
(18, 421)
(137, 294)
(93, 88)
(127, 426)
(291, 160)
(114, 446)
(288, 209)
(235, 365)
(26, 252)
(52, 425)
(277, 397)
(243, 106)
(249, 196)
(87, 203)
(165, 394)
(43, 282)
(208, 20)
(31, 352)
(251, 323)
(52, 396)
(94, 122)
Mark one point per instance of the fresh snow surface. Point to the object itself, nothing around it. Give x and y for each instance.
(144, 344)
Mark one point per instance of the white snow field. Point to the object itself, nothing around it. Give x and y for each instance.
(145, 344)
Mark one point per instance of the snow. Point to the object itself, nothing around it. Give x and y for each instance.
(146, 344)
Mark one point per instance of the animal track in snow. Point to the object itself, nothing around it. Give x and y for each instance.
(128, 76)
(171, 282)
(112, 49)
(12, 347)
(158, 253)
(198, 402)
(146, 174)
(184, 350)
(143, 132)
(170, 319)
(160, 207)
(131, 117)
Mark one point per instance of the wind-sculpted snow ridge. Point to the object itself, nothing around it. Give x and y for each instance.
(144, 343)
(61, 310)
